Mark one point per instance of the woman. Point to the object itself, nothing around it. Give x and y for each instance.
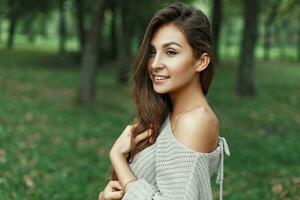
(174, 146)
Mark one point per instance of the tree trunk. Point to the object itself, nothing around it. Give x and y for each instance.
(80, 23)
(124, 48)
(0, 30)
(216, 25)
(298, 42)
(28, 29)
(283, 25)
(228, 38)
(113, 34)
(43, 29)
(87, 91)
(62, 27)
(11, 30)
(268, 29)
(245, 73)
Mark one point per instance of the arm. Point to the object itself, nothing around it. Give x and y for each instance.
(119, 152)
(122, 169)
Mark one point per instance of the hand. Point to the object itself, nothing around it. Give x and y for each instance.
(123, 146)
(112, 191)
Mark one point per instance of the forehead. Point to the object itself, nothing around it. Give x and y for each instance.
(167, 33)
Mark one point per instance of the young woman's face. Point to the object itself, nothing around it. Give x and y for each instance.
(171, 56)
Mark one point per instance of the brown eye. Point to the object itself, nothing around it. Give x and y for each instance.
(171, 53)
(152, 53)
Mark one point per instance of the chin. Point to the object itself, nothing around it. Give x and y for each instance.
(160, 91)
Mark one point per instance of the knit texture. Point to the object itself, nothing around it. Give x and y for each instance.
(168, 170)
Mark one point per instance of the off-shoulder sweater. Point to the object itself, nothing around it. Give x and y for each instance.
(168, 170)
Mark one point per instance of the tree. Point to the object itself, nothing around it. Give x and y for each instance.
(62, 26)
(288, 14)
(80, 23)
(298, 39)
(113, 32)
(28, 26)
(231, 20)
(216, 25)
(18, 10)
(2, 13)
(245, 73)
(87, 90)
(275, 5)
(13, 14)
(0, 29)
(124, 44)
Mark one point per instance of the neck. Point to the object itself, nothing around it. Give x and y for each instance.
(187, 98)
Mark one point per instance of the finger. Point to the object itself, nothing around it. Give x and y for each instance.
(143, 136)
(115, 195)
(116, 184)
(131, 126)
(100, 196)
(128, 130)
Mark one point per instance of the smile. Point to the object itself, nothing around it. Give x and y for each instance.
(159, 79)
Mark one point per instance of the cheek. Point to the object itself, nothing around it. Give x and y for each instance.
(181, 66)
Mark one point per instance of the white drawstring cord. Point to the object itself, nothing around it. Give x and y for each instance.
(220, 176)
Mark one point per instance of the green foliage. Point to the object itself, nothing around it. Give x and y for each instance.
(40, 18)
(51, 148)
(23, 8)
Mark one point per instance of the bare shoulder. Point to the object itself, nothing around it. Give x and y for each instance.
(198, 130)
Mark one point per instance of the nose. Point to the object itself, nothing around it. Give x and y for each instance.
(156, 62)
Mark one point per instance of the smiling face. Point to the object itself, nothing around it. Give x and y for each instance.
(172, 56)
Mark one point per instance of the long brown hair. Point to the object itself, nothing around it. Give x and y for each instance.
(153, 108)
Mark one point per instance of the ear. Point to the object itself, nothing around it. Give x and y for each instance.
(202, 62)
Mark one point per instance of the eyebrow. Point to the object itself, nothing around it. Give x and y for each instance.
(168, 44)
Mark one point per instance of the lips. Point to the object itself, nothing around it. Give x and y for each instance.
(156, 75)
(158, 79)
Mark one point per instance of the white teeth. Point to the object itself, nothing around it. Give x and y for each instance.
(160, 77)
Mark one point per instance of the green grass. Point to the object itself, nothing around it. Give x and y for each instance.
(52, 148)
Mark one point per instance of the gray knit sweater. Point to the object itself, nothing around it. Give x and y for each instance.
(168, 170)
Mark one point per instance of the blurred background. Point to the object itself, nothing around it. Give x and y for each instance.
(65, 69)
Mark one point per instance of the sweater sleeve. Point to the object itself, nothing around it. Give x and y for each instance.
(184, 180)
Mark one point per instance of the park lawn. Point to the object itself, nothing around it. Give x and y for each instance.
(53, 148)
